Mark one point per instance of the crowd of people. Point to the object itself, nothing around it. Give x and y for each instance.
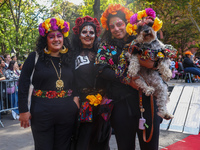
(188, 64)
(10, 72)
(78, 96)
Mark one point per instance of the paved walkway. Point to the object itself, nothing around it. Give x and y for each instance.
(13, 137)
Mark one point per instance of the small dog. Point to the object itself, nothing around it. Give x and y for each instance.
(149, 58)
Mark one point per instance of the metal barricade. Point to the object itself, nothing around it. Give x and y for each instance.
(8, 97)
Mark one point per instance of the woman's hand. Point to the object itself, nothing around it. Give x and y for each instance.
(76, 100)
(133, 84)
(24, 119)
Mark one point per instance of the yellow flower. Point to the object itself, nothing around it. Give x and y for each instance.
(141, 14)
(160, 55)
(94, 100)
(131, 29)
(66, 34)
(157, 24)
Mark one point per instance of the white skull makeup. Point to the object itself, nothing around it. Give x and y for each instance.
(88, 31)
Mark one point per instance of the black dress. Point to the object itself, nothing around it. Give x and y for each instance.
(53, 115)
(126, 113)
(89, 135)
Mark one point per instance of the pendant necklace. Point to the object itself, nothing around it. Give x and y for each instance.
(59, 82)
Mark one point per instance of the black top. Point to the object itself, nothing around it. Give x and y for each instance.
(187, 62)
(44, 78)
(85, 72)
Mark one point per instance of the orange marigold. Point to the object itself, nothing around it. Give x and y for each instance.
(61, 94)
(38, 93)
(113, 9)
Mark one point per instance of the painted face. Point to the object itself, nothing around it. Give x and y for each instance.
(87, 36)
(117, 28)
(55, 41)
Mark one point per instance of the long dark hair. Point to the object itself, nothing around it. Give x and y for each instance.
(76, 42)
(11, 65)
(107, 35)
(42, 43)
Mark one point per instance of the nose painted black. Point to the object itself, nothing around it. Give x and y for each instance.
(146, 31)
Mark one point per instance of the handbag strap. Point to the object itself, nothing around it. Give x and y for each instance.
(36, 58)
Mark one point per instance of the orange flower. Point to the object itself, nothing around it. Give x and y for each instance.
(94, 99)
(113, 9)
(38, 93)
(141, 14)
(61, 94)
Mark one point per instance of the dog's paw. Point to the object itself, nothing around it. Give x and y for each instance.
(165, 115)
(148, 91)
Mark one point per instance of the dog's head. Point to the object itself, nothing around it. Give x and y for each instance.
(144, 24)
(145, 32)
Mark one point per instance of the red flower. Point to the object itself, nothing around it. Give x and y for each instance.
(51, 94)
(111, 62)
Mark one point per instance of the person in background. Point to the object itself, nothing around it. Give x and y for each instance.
(7, 60)
(14, 58)
(189, 65)
(2, 67)
(13, 75)
(85, 44)
(54, 102)
(20, 66)
(126, 112)
(172, 63)
(1, 57)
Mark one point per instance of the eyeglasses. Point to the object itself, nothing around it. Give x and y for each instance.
(118, 24)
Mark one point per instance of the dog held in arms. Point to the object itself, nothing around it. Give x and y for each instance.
(149, 58)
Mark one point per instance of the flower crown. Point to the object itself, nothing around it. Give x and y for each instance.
(132, 26)
(79, 21)
(53, 24)
(113, 9)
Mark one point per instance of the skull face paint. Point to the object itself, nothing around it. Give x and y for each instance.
(88, 31)
(87, 36)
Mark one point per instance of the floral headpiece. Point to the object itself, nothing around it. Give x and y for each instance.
(53, 24)
(113, 9)
(132, 26)
(79, 21)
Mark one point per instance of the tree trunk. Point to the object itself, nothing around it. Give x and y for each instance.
(96, 8)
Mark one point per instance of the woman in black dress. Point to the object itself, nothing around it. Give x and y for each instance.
(54, 103)
(85, 44)
(126, 111)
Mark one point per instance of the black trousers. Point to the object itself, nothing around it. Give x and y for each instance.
(52, 122)
(125, 121)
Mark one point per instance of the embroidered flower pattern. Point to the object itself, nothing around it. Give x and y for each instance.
(105, 55)
(52, 94)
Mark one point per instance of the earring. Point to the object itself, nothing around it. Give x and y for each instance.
(64, 50)
(112, 37)
(46, 51)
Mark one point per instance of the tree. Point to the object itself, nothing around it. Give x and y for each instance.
(67, 11)
(20, 23)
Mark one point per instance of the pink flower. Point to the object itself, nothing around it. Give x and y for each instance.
(41, 30)
(54, 27)
(150, 12)
(103, 58)
(66, 27)
(133, 19)
(111, 62)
